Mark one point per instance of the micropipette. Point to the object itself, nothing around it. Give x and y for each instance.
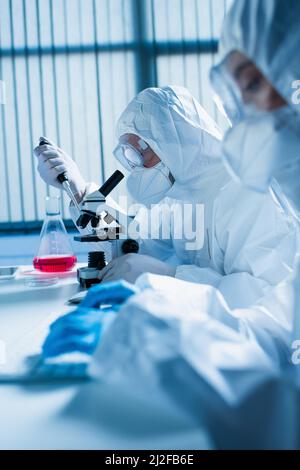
(63, 179)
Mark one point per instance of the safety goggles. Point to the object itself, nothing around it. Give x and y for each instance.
(129, 156)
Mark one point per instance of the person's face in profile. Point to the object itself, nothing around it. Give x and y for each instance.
(150, 158)
(255, 89)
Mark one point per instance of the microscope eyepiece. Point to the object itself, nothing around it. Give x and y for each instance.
(111, 183)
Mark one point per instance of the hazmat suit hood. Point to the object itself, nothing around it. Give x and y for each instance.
(267, 32)
(188, 142)
(179, 131)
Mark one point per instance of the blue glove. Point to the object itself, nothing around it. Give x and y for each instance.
(81, 330)
(111, 293)
(77, 331)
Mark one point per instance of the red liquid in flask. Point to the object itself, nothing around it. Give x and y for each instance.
(54, 263)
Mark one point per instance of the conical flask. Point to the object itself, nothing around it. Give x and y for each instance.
(55, 252)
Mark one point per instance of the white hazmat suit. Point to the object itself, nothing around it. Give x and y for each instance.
(243, 233)
(178, 229)
(217, 362)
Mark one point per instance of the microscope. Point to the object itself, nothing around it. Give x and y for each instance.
(96, 216)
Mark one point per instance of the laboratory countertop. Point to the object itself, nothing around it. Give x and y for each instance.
(75, 415)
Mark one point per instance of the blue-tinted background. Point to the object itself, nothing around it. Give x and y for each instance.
(71, 66)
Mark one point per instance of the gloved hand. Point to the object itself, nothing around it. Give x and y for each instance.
(81, 330)
(77, 331)
(52, 161)
(130, 267)
(113, 293)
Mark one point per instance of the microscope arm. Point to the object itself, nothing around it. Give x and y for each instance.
(93, 208)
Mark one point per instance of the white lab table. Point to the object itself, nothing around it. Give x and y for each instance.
(82, 415)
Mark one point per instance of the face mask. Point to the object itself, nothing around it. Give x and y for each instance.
(149, 185)
(260, 147)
